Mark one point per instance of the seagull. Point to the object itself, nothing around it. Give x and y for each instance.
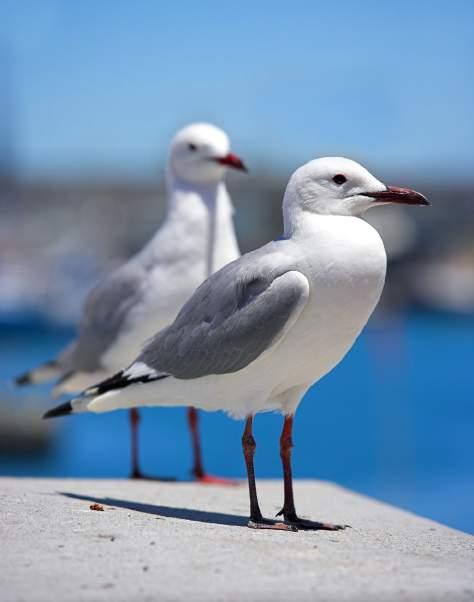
(259, 332)
(145, 294)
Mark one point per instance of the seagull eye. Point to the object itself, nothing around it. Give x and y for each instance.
(339, 179)
(192, 147)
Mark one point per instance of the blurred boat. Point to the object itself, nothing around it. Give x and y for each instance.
(446, 284)
(22, 431)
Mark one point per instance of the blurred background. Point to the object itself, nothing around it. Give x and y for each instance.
(90, 95)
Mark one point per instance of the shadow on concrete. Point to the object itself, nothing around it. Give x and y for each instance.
(200, 516)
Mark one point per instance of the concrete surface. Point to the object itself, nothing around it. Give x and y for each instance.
(169, 541)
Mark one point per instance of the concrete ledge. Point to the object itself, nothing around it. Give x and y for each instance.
(170, 542)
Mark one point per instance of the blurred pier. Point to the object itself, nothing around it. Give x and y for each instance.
(58, 237)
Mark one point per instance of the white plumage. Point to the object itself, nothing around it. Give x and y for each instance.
(258, 333)
(145, 294)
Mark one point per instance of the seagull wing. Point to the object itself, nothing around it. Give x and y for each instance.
(233, 318)
(106, 316)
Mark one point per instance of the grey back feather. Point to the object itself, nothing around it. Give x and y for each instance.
(231, 319)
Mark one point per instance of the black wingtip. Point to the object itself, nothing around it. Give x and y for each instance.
(62, 410)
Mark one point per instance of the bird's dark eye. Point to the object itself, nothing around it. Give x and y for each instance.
(339, 179)
(192, 147)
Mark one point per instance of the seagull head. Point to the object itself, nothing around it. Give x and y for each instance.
(200, 153)
(339, 186)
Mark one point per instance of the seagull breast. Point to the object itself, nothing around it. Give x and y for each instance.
(345, 264)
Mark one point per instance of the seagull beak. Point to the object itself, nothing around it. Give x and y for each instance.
(232, 160)
(404, 196)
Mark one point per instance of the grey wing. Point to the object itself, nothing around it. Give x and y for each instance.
(233, 318)
(105, 317)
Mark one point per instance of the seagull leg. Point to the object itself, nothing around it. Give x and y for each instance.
(198, 469)
(288, 510)
(136, 473)
(134, 417)
(256, 521)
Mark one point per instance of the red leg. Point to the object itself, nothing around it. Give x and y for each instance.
(288, 510)
(136, 473)
(198, 471)
(134, 418)
(256, 521)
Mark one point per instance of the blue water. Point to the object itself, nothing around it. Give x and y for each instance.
(395, 420)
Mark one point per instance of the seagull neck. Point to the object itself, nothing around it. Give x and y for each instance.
(208, 210)
(302, 224)
(180, 192)
(295, 221)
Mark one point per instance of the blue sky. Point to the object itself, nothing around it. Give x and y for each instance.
(103, 84)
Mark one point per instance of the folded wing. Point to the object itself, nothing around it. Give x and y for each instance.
(232, 319)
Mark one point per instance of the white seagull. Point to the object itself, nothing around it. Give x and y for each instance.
(258, 333)
(145, 294)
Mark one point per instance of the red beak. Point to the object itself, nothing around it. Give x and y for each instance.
(404, 196)
(232, 160)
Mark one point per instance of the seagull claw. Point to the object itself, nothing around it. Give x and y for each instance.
(209, 479)
(265, 523)
(310, 525)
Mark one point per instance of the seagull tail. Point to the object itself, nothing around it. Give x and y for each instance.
(45, 372)
(113, 393)
(73, 406)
